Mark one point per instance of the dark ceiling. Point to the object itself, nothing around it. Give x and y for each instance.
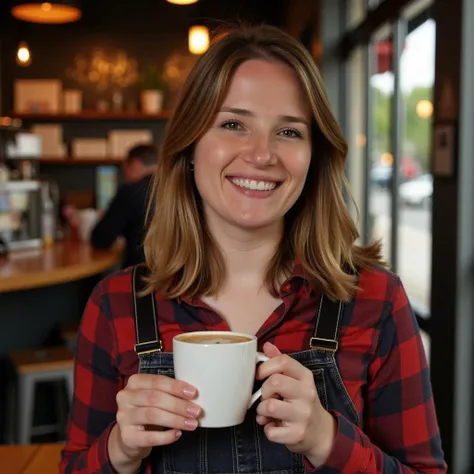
(138, 15)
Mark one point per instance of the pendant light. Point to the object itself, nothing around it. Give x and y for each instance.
(198, 39)
(53, 12)
(23, 55)
(182, 2)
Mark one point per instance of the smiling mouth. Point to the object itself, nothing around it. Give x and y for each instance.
(255, 185)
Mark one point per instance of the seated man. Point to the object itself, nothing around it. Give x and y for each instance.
(125, 216)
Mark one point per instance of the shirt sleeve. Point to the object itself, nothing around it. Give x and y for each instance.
(113, 223)
(96, 384)
(401, 433)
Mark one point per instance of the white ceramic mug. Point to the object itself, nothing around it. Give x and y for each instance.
(86, 220)
(223, 374)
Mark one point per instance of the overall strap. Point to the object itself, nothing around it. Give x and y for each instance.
(328, 324)
(146, 322)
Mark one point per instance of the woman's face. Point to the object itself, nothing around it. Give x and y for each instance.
(251, 165)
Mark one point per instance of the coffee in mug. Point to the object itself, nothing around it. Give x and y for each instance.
(221, 338)
(221, 365)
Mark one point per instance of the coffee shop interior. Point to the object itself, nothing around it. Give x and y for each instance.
(82, 82)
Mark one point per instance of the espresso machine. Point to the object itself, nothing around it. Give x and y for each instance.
(21, 192)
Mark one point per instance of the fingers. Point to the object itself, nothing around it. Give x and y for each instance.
(270, 350)
(165, 401)
(153, 410)
(280, 410)
(288, 435)
(278, 385)
(137, 437)
(162, 384)
(286, 399)
(285, 365)
(142, 416)
(263, 420)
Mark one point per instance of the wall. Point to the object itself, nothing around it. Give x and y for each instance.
(149, 31)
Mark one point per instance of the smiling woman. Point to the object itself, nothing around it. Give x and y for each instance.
(251, 165)
(278, 134)
(250, 233)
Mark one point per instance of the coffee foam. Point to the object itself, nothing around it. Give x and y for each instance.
(213, 339)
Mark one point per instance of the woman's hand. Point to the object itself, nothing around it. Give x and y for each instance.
(291, 410)
(152, 411)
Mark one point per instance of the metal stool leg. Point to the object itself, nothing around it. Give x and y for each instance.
(70, 385)
(60, 389)
(26, 399)
(11, 413)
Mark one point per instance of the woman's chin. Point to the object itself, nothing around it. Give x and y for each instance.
(256, 223)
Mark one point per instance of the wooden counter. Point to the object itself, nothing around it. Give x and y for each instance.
(31, 458)
(63, 262)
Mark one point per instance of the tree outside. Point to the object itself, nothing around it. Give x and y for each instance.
(417, 134)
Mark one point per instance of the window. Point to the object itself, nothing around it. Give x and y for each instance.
(356, 12)
(417, 64)
(389, 93)
(381, 86)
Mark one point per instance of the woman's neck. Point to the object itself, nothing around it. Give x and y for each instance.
(246, 253)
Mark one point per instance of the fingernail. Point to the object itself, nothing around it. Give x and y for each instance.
(189, 392)
(178, 434)
(191, 424)
(193, 410)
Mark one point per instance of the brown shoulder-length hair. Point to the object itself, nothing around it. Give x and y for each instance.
(319, 231)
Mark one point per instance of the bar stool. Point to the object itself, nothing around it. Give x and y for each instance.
(45, 365)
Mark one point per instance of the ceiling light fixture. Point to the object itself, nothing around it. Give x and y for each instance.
(54, 12)
(23, 55)
(198, 39)
(182, 2)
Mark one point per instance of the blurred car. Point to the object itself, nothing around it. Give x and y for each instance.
(417, 192)
(381, 176)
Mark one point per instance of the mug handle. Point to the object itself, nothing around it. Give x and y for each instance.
(259, 358)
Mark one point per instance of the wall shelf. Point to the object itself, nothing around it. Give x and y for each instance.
(92, 115)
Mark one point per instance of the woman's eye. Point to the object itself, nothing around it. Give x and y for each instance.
(291, 133)
(231, 125)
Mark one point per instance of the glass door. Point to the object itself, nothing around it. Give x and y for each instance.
(380, 151)
(389, 101)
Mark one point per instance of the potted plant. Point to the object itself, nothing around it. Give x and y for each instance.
(151, 96)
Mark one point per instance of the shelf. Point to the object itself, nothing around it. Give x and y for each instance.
(71, 161)
(93, 115)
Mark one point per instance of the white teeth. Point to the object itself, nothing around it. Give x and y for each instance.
(254, 185)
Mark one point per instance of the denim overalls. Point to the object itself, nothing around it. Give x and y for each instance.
(243, 448)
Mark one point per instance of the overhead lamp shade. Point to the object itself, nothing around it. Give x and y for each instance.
(65, 11)
(182, 2)
(198, 39)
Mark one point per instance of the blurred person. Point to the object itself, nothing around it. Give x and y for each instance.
(125, 216)
(251, 233)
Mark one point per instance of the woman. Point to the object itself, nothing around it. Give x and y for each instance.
(251, 233)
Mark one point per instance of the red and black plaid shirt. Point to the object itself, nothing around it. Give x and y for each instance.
(380, 357)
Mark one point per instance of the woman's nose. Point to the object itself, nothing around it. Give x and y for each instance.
(261, 152)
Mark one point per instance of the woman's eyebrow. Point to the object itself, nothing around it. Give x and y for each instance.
(249, 113)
